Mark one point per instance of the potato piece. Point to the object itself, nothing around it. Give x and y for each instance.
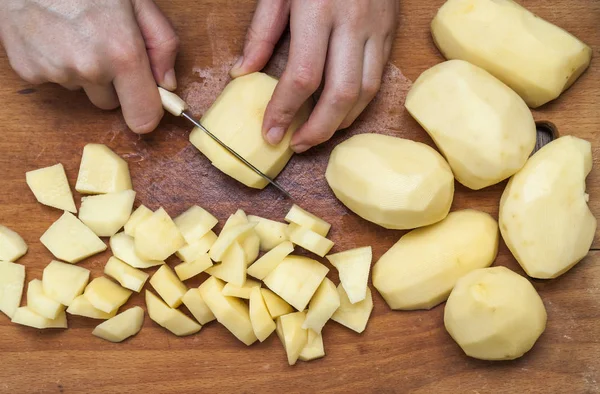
(306, 219)
(296, 279)
(102, 171)
(12, 281)
(535, 58)
(129, 277)
(322, 306)
(106, 214)
(314, 347)
(483, 128)
(70, 240)
(195, 223)
(51, 187)
(41, 304)
(275, 304)
(81, 306)
(188, 270)
(63, 282)
(139, 215)
(195, 303)
(168, 286)
(231, 312)
(26, 317)
(393, 182)
(233, 267)
(12, 246)
(262, 322)
(421, 269)
(293, 337)
(227, 238)
(171, 319)
(126, 324)
(237, 219)
(231, 290)
(157, 237)
(195, 250)
(270, 232)
(236, 118)
(354, 316)
(544, 216)
(494, 314)
(353, 266)
(270, 260)
(309, 240)
(106, 295)
(123, 247)
(250, 241)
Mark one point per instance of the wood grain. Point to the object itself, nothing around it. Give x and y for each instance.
(399, 351)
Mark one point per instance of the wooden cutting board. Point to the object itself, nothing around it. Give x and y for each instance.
(399, 351)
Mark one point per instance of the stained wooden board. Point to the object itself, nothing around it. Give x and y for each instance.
(399, 351)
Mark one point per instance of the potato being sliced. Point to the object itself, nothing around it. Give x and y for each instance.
(51, 187)
(157, 237)
(106, 295)
(187, 270)
(12, 246)
(195, 223)
(353, 266)
(123, 247)
(314, 348)
(293, 337)
(195, 303)
(26, 317)
(138, 216)
(228, 237)
(81, 306)
(262, 322)
(168, 286)
(171, 319)
(102, 171)
(63, 282)
(196, 249)
(126, 324)
(322, 306)
(270, 232)
(129, 277)
(41, 304)
(70, 240)
(309, 240)
(231, 290)
(306, 219)
(233, 267)
(275, 304)
(354, 316)
(267, 263)
(12, 281)
(106, 214)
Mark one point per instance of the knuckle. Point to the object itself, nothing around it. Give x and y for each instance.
(126, 54)
(89, 70)
(345, 95)
(169, 44)
(371, 87)
(304, 79)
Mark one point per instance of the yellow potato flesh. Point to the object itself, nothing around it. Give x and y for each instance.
(51, 187)
(102, 171)
(122, 326)
(63, 282)
(12, 281)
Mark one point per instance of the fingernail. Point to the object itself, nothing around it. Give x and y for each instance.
(235, 70)
(169, 80)
(300, 148)
(275, 135)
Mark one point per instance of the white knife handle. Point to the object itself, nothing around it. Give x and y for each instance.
(172, 102)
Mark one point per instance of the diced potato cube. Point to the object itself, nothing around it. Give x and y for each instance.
(195, 303)
(309, 240)
(353, 316)
(314, 348)
(233, 267)
(12, 281)
(129, 277)
(237, 219)
(102, 171)
(270, 232)
(306, 219)
(157, 237)
(227, 238)
(106, 214)
(106, 295)
(171, 319)
(123, 247)
(196, 249)
(122, 326)
(275, 304)
(168, 286)
(293, 337)
(41, 304)
(244, 291)
(187, 270)
(70, 240)
(353, 266)
(195, 223)
(26, 317)
(51, 187)
(267, 263)
(12, 245)
(138, 216)
(63, 282)
(81, 306)
(262, 322)
(250, 241)
(322, 306)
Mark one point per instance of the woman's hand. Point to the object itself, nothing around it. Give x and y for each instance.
(345, 43)
(116, 50)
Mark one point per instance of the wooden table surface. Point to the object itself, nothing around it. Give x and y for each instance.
(399, 351)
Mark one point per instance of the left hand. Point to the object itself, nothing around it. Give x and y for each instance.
(345, 43)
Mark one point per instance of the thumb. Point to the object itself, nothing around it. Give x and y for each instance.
(161, 40)
(269, 22)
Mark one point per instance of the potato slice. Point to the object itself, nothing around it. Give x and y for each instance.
(106, 214)
(227, 238)
(231, 290)
(138, 216)
(267, 263)
(421, 269)
(233, 267)
(250, 241)
(309, 240)
(270, 232)
(296, 279)
(129, 277)
(171, 319)
(102, 171)
(353, 266)
(544, 217)
(26, 317)
(195, 223)
(535, 58)
(314, 348)
(12, 281)
(322, 306)
(12, 246)
(306, 219)
(393, 182)
(483, 128)
(81, 306)
(51, 187)
(293, 337)
(231, 312)
(354, 316)
(41, 304)
(262, 322)
(157, 237)
(275, 304)
(123, 247)
(70, 240)
(63, 282)
(168, 286)
(188, 270)
(195, 303)
(196, 249)
(126, 324)
(494, 314)
(236, 118)
(106, 295)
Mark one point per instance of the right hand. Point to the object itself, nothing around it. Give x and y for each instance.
(116, 50)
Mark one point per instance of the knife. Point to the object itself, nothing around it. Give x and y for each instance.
(175, 105)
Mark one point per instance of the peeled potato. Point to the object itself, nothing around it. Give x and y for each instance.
(12, 281)
(483, 128)
(102, 171)
(122, 326)
(51, 187)
(12, 246)
(535, 58)
(158, 237)
(393, 182)
(544, 217)
(106, 214)
(494, 314)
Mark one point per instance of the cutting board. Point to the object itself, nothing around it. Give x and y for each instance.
(399, 351)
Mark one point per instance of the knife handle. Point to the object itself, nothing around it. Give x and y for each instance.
(172, 102)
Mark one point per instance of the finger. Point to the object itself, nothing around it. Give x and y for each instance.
(73, 86)
(342, 87)
(161, 41)
(268, 23)
(310, 30)
(102, 96)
